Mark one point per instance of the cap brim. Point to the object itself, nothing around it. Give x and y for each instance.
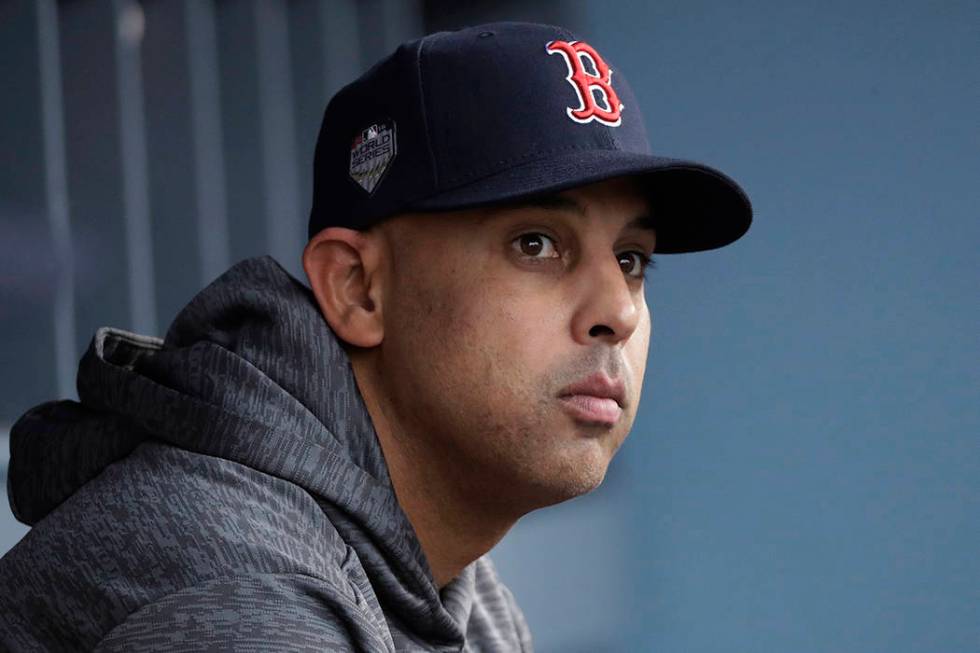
(694, 207)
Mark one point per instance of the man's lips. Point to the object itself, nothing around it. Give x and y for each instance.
(595, 399)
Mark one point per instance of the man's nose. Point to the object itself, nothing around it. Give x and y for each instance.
(609, 303)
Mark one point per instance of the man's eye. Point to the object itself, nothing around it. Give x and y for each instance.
(535, 245)
(635, 264)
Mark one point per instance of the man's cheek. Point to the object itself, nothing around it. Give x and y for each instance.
(637, 350)
(644, 331)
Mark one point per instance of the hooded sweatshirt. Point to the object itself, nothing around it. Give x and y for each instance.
(224, 489)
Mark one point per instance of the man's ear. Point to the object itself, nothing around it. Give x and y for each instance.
(344, 269)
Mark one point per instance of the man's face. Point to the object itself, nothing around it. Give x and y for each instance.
(489, 316)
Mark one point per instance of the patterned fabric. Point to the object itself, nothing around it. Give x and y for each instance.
(223, 489)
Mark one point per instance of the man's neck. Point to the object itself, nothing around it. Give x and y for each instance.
(453, 529)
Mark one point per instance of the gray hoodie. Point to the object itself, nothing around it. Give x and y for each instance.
(224, 489)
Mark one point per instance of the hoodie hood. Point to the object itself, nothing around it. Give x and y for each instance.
(249, 371)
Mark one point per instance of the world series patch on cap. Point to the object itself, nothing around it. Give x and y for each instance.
(499, 112)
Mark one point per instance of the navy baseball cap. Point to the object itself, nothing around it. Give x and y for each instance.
(496, 113)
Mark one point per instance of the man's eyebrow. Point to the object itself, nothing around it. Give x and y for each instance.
(645, 222)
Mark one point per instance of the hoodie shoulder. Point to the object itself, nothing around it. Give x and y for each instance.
(274, 612)
(155, 524)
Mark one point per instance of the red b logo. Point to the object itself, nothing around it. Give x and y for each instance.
(586, 83)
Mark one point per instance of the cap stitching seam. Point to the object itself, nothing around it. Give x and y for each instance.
(496, 166)
(425, 116)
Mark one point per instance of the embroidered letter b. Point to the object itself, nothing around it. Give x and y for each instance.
(588, 84)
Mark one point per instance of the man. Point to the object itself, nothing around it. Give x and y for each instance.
(297, 469)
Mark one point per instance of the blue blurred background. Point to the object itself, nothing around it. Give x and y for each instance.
(804, 474)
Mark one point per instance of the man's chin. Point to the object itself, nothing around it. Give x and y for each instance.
(567, 481)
